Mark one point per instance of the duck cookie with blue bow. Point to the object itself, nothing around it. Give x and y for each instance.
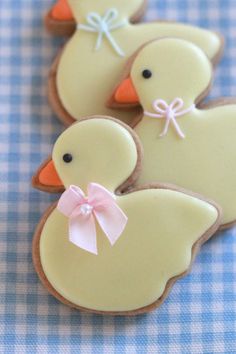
(60, 20)
(193, 147)
(106, 247)
(86, 70)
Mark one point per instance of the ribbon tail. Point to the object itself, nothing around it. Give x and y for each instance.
(166, 127)
(112, 220)
(177, 128)
(82, 233)
(99, 41)
(114, 44)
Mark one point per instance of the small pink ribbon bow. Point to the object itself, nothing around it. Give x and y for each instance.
(83, 212)
(170, 112)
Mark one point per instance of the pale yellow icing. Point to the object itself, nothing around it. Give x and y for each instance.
(179, 69)
(95, 144)
(204, 161)
(85, 77)
(81, 8)
(156, 245)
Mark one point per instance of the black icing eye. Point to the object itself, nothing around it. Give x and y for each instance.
(67, 158)
(147, 74)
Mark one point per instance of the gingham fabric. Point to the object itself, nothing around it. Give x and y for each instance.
(199, 315)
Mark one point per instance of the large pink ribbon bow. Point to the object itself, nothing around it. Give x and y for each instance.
(83, 212)
(170, 112)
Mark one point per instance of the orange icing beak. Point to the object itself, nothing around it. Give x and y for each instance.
(126, 93)
(61, 11)
(48, 176)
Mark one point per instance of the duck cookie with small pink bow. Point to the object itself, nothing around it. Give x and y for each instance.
(105, 246)
(191, 146)
(87, 69)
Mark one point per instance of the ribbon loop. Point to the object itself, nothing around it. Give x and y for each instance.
(176, 105)
(100, 205)
(94, 19)
(104, 26)
(170, 113)
(73, 197)
(110, 16)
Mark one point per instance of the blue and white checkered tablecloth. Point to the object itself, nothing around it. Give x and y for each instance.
(199, 315)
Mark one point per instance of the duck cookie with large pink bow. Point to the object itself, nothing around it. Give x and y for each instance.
(87, 69)
(193, 147)
(104, 246)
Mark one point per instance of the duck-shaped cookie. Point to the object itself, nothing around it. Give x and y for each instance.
(86, 70)
(60, 21)
(155, 230)
(184, 144)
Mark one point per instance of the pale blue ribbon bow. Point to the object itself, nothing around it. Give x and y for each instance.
(104, 26)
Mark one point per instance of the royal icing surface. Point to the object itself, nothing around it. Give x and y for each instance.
(93, 161)
(156, 244)
(204, 161)
(133, 273)
(91, 64)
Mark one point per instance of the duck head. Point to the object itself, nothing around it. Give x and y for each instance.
(98, 149)
(164, 69)
(126, 9)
